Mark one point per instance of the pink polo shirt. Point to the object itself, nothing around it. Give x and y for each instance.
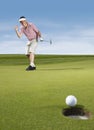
(31, 32)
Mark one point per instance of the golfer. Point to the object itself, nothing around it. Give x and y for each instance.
(32, 33)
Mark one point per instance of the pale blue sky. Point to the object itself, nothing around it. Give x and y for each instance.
(69, 23)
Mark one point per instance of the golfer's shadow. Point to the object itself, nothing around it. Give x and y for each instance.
(49, 69)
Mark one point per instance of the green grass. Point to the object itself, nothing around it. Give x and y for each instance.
(35, 100)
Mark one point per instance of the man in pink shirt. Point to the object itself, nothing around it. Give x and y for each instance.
(32, 33)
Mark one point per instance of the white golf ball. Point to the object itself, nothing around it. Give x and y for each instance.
(71, 100)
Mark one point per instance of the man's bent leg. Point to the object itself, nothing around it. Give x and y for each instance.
(31, 58)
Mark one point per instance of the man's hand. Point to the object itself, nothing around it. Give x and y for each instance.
(17, 32)
(41, 39)
(16, 28)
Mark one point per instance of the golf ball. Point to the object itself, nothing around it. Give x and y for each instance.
(71, 100)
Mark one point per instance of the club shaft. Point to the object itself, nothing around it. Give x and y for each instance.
(46, 41)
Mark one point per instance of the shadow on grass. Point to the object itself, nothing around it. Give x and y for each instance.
(78, 112)
(60, 69)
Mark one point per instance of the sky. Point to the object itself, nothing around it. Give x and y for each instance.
(68, 23)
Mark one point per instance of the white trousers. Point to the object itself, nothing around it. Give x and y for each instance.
(31, 46)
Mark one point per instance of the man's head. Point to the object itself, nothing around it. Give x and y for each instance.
(23, 21)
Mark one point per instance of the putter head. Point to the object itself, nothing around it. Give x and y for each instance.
(50, 41)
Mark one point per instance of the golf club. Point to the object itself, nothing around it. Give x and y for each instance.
(49, 41)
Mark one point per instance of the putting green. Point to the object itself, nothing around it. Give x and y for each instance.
(34, 100)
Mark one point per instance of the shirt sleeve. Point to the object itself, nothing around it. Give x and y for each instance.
(34, 27)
